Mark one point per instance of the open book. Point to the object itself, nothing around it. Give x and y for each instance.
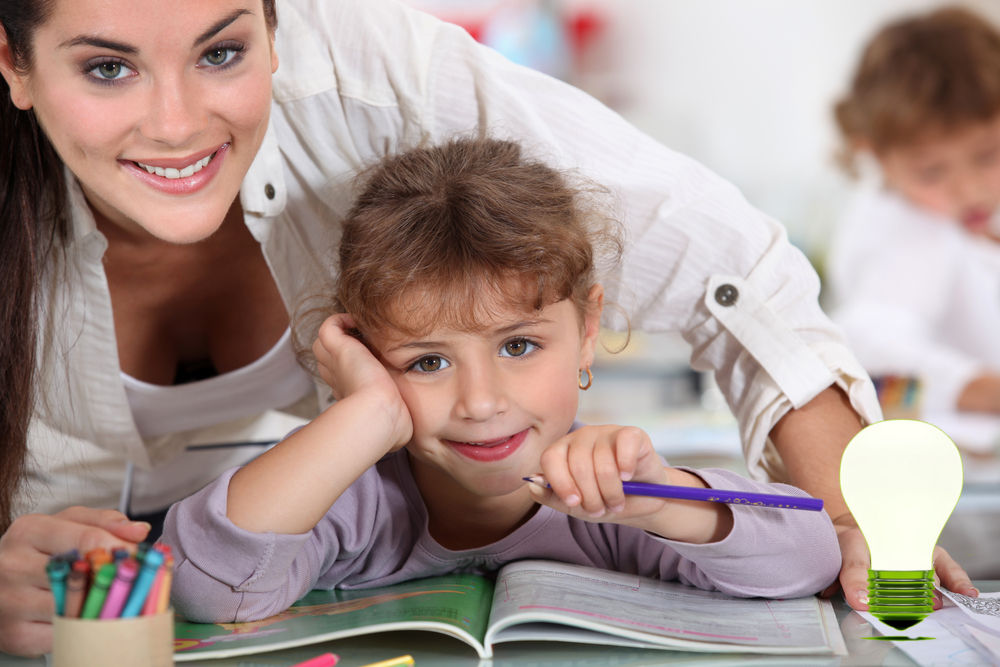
(535, 600)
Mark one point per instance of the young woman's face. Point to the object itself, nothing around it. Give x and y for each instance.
(955, 174)
(158, 108)
(485, 405)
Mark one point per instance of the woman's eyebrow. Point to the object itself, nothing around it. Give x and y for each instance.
(121, 47)
(219, 25)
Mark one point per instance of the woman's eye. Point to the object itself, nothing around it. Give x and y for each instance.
(221, 55)
(110, 70)
(430, 364)
(517, 347)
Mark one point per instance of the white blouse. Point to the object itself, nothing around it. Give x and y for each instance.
(358, 80)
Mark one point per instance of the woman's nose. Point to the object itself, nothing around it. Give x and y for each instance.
(175, 115)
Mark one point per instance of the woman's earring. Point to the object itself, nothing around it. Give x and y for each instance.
(590, 379)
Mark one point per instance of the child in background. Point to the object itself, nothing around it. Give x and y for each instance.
(915, 264)
(465, 321)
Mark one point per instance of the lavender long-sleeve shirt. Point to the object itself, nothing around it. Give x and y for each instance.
(376, 534)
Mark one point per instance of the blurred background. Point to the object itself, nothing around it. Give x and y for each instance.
(746, 87)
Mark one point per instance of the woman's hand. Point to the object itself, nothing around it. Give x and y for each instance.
(586, 468)
(26, 604)
(856, 561)
(349, 367)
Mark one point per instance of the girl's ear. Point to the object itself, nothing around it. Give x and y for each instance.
(15, 80)
(591, 325)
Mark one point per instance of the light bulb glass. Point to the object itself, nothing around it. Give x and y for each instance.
(901, 479)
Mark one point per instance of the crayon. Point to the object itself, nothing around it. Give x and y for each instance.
(120, 586)
(152, 604)
(324, 660)
(168, 573)
(97, 558)
(98, 591)
(143, 581)
(76, 587)
(58, 569)
(401, 661)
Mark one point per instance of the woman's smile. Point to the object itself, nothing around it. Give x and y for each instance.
(178, 177)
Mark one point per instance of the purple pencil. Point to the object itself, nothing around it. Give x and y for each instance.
(751, 499)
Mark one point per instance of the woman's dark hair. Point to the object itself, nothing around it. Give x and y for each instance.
(32, 216)
(462, 219)
(32, 205)
(922, 74)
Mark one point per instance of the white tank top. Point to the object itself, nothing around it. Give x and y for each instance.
(272, 381)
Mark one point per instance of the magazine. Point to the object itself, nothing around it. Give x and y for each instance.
(534, 601)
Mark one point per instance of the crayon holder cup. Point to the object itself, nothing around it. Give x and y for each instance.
(141, 641)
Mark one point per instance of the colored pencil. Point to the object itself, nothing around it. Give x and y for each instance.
(750, 499)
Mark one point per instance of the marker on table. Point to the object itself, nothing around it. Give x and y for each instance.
(324, 660)
(401, 661)
(58, 569)
(748, 498)
(98, 591)
(120, 585)
(76, 587)
(151, 562)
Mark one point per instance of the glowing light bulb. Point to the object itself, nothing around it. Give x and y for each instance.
(901, 479)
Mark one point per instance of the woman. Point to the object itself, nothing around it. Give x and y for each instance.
(169, 215)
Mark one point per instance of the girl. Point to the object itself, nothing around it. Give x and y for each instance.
(915, 265)
(468, 317)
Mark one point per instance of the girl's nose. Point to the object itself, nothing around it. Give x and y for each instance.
(481, 394)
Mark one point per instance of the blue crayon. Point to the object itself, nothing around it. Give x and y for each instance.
(143, 581)
(58, 569)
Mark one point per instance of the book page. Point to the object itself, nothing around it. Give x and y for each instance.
(457, 605)
(651, 612)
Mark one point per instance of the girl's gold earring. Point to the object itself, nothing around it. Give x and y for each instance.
(590, 379)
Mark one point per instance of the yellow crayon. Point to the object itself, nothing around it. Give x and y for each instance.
(401, 661)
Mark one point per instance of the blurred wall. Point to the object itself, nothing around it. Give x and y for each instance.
(746, 87)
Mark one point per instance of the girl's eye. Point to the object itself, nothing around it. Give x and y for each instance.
(517, 347)
(109, 70)
(220, 56)
(430, 364)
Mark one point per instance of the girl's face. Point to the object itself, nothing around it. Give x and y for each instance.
(158, 108)
(485, 405)
(955, 174)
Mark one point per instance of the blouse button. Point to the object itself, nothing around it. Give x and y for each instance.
(726, 295)
(269, 191)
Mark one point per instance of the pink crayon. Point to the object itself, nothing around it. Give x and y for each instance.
(120, 587)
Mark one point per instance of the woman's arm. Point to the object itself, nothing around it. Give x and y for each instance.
(811, 441)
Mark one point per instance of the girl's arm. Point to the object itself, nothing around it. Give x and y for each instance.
(586, 468)
(290, 487)
(746, 551)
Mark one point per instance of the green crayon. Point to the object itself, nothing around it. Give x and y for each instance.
(98, 591)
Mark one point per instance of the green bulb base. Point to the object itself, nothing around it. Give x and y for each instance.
(900, 598)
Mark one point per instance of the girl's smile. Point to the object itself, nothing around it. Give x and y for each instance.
(490, 450)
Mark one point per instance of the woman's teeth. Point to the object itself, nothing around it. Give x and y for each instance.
(170, 172)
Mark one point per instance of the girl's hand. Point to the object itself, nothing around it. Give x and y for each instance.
(26, 603)
(349, 367)
(586, 468)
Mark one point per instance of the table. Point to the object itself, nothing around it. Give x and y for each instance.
(431, 650)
